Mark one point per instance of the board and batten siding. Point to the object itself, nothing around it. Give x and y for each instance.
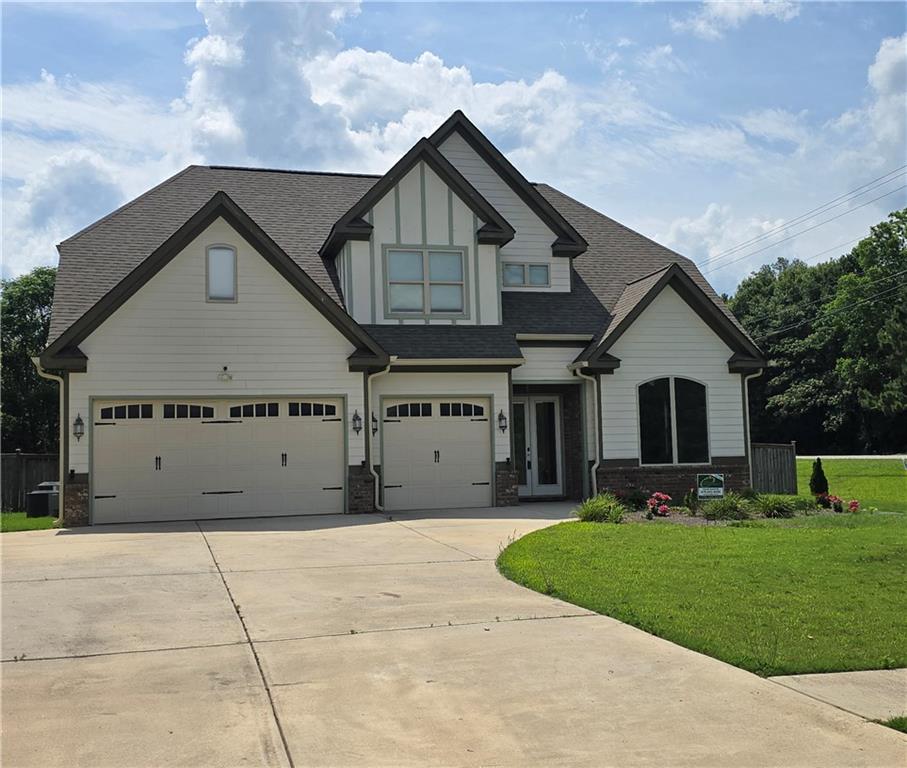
(493, 385)
(401, 218)
(670, 339)
(168, 341)
(533, 239)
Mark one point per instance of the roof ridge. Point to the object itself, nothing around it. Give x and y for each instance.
(292, 170)
(128, 204)
(650, 274)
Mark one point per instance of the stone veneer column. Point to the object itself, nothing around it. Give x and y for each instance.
(361, 490)
(75, 500)
(506, 492)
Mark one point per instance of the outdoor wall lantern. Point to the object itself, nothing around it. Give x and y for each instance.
(78, 428)
(357, 422)
(502, 422)
(374, 424)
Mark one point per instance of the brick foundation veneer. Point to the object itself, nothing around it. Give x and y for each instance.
(361, 493)
(505, 485)
(75, 500)
(623, 474)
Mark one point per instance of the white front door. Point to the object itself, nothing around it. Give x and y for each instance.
(537, 445)
(436, 453)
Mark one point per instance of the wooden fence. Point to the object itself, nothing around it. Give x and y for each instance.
(774, 467)
(21, 472)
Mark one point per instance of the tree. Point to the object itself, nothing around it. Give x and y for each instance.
(818, 483)
(30, 403)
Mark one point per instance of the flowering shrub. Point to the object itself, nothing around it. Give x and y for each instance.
(853, 505)
(658, 505)
(830, 501)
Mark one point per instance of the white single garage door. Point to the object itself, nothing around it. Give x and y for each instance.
(186, 459)
(436, 453)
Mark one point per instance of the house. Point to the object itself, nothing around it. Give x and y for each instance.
(240, 341)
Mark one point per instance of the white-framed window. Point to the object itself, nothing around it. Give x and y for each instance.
(220, 271)
(673, 421)
(526, 275)
(188, 411)
(425, 281)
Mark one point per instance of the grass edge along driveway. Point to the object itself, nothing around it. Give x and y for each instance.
(813, 594)
(11, 522)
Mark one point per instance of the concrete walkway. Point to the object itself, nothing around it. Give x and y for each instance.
(344, 641)
(877, 694)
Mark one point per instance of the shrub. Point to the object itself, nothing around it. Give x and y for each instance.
(604, 508)
(731, 507)
(657, 505)
(802, 504)
(683, 511)
(748, 493)
(823, 500)
(774, 505)
(853, 506)
(691, 501)
(818, 483)
(633, 498)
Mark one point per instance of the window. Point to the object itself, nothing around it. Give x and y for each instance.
(221, 272)
(409, 410)
(462, 409)
(313, 409)
(673, 422)
(526, 275)
(188, 411)
(254, 410)
(129, 411)
(422, 282)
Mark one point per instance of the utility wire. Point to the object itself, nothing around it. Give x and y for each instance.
(833, 248)
(829, 313)
(802, 232)
(819, 209)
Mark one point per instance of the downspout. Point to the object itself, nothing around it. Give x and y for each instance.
(746, 417)
(596, 405)
(62, 449)
(368, 432)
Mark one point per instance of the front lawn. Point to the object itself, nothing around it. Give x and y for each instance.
(17, 521)
(878, 483)
(812, 594)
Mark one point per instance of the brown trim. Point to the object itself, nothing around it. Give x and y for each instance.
(219, 206)
(746, 352)
(470, 368)
(568, 241)
(352, 225)
(717, 461)
(553, 343)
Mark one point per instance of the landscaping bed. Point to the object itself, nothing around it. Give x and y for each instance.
(818, 593)
(880, 483)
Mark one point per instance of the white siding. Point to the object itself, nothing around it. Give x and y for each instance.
(546, 364)
(670, 339)
(167, 340)
(493, 385)
(532, 243)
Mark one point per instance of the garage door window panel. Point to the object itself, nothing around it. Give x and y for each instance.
(127, 411)
(188, 411)
(254, 410)
(312, 409)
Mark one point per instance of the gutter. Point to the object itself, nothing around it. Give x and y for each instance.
(36, 361)
(368, 431)
(577, 369)
(746, 416)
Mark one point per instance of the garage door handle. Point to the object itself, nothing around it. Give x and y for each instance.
(107, 496)
(437, 457)
(283, 459)
(333, 488)
(157, 463)
(392, 486)
(485, 483)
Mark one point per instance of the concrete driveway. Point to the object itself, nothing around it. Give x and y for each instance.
(362, 641)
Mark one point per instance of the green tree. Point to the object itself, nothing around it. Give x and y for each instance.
(30, 403)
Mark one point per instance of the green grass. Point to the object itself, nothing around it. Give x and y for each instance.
(898, 723)
(814, 594)
(17, 521)
(878, 483)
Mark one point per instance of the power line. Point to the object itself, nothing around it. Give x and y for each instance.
(819, 209)
(803, 232)
(819, 301)
(833, 248)
(830, 312)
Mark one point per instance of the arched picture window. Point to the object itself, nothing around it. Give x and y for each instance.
(673, 422)
(221, 272)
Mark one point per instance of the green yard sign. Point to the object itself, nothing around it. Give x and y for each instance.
(710, 486)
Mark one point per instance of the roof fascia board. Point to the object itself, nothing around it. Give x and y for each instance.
(352, 225)
(569, 242)
(219, 206)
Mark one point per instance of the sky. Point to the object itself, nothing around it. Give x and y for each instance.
(701, 125)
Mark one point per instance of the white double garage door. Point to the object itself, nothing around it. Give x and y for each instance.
(178, 459)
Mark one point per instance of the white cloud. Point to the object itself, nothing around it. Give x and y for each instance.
(714, 17)
(888, 80)
(661, 57)
(776, 125)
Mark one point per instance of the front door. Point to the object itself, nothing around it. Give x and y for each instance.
(537, 445)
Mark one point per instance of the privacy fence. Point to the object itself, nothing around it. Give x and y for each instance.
(21, 472)
(774, 467)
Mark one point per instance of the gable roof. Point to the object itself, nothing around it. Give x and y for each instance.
(65, 346)
(569, 242)
(352, 225)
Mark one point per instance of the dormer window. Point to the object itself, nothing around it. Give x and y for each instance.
(425, 281)
(526, 275)
(221, 273)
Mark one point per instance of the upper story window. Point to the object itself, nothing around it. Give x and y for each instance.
(526, 275)
(673, 422)
(221, 273)
(426, 281)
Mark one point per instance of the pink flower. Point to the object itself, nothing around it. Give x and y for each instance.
(663, 510)
(853, 505)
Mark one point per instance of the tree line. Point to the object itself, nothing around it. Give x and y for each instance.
(834, 334)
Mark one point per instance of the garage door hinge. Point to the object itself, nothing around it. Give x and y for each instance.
(478, 419)
(111, 496)
(223, 421)
(218, 493)
(337, 419)
(105, 423)
(333, 488)
(392, 486)
(481, 483)
(392, 421)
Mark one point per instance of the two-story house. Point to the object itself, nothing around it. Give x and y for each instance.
(243, 342)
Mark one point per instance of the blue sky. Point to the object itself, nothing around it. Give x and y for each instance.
(700, 124)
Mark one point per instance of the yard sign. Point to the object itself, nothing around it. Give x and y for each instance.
(709, 486)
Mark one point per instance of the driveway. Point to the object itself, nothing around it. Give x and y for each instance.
(360, 640)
